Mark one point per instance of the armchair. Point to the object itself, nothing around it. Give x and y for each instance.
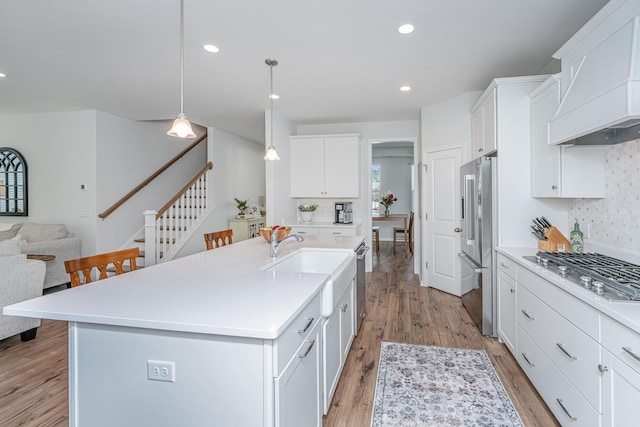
(20, 279)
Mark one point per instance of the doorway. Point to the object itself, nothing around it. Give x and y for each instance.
(392, 167)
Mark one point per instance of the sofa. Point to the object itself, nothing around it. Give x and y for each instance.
(46, 239)
(20, 279)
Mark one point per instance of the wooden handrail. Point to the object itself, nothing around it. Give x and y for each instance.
(183, 189)
(153, 176)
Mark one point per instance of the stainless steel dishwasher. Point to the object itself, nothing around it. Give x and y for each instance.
(361, 299)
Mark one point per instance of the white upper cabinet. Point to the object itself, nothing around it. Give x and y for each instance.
(561, 171)
(483, 125)
(325, 166)
(600, 73)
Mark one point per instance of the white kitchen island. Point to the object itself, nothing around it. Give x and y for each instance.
(209, 339)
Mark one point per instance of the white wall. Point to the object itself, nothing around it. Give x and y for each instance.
(448, 125)
(60, 152)
(279, 204)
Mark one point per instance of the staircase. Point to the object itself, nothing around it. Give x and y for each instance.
(167, 230)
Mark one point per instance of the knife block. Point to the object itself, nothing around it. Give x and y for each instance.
(554, 236)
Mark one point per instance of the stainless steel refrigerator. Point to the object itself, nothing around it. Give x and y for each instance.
(477, 245)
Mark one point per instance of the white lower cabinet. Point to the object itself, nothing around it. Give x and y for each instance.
(297, 389)
(338, 333)
(558, 349)
(567, 404)
(506, 282)
(620, 374)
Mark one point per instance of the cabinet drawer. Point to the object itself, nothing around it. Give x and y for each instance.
(571, 350)
(622, 342)
(338, 231)
(305, 231)
(292, 337)
(509, 266)
(585, 317)
(566, 403)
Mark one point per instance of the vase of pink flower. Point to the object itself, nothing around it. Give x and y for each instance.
(387, 200)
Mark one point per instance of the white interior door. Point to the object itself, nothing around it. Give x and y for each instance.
(442, 242)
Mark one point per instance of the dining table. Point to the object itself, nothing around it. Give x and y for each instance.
(395, 218)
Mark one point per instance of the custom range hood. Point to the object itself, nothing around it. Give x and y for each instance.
(600, 103)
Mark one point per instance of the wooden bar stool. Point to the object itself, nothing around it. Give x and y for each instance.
(85, 265)
(376, 236)
(220, 238)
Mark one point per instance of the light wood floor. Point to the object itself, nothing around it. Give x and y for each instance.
(33, 375)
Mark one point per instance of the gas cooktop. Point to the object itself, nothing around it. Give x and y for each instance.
(611, 278)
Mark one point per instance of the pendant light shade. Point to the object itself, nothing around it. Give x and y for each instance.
(181, 127)
(271, 153)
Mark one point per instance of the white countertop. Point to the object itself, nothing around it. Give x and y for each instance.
(221, 291)
(627, 313)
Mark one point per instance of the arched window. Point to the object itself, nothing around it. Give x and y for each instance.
(13, 183)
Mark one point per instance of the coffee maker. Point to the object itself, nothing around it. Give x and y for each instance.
(344, 213)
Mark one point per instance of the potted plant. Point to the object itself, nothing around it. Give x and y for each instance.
(306, 212)
(242, 206)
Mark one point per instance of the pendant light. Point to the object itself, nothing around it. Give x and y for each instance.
(181, 127)
(271, 153)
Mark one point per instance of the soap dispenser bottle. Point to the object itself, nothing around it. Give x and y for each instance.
(576, 239)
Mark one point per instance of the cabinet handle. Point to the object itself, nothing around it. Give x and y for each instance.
(561, 347)
(306, 352)
(527, 359)
(502, 264)
(337, 232)
(527, 315)
(571, 417)
(554, 187)
(631, 353)
(513, 291)
(344, 308)
(479, 149)
(310, 321)
(602, 368)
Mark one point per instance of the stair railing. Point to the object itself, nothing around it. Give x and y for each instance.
(168, 227)
(153, 176)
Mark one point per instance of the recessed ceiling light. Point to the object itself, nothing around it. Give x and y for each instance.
(405, 88)
(274, 96)
(211, 48)
(2, 75)
(406, 28)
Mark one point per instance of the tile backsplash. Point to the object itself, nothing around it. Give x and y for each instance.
(615, 220)
(326, 208)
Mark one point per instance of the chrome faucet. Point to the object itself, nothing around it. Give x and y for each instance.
(275, 245)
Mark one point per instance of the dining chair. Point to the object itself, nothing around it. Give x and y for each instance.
(110, 262)
(399, 238)
(219, 238)
(376, 236)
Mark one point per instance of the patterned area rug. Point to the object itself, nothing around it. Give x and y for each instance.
(439, 386)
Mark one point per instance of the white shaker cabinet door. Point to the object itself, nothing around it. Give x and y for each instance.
(620, 392)
(507, 319)
(307, 167)
(341, 167)
(297, 389)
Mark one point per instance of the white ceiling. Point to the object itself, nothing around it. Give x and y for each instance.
(340, 60)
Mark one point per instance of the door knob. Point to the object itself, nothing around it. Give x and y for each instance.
(457, 229)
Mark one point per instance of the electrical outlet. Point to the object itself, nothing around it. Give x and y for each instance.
(160, 370)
